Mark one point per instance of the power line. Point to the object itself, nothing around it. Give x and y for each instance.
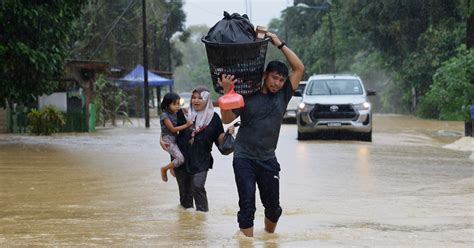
(112, 28)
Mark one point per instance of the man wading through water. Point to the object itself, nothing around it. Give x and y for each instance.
(254, 161)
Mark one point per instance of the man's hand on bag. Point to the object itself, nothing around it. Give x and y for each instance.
(231, 129)
(274, 39)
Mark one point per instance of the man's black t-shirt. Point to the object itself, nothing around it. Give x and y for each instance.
(197, 156)
(261, 119)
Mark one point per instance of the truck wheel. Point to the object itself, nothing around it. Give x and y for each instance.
(366, 136)
(302, 136)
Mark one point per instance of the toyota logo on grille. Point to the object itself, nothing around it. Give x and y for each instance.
(334, 108)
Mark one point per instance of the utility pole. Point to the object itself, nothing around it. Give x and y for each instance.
(145, 69)
(470, 25)
(248, 9)
(469, 43)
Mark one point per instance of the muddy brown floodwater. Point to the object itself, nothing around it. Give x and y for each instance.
(104, 189)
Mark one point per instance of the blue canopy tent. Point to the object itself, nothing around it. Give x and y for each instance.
(136, 78)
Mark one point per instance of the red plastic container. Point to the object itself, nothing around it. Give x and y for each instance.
(231, 100)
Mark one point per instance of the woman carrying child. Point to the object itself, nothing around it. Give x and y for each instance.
(196, 143)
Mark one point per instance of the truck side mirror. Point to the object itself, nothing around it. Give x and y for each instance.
(371, 93)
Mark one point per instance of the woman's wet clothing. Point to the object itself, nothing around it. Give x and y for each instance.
(191, 186)
(191, 175)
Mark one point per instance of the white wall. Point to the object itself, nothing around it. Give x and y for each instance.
(58, 99)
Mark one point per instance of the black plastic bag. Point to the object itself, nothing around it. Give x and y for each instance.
(227, 147)
(233, 28)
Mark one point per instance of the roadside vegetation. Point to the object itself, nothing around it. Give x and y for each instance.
(45, 122)
(417, 55)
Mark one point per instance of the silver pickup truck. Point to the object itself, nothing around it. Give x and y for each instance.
(335, 103)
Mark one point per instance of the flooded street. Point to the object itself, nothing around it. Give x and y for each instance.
(104, 189)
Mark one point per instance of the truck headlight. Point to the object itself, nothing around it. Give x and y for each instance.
(305, 107)
(362, 106)
(301, 105)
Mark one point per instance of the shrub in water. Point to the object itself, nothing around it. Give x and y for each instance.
(46, 122)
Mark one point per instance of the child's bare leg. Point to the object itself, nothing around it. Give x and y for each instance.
(164, 172)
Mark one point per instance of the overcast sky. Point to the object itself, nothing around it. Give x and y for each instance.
(209, 12)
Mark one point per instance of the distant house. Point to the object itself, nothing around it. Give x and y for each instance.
(78, 95)
(74, 97)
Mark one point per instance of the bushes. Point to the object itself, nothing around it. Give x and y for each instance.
(46, 122)
(452, 92)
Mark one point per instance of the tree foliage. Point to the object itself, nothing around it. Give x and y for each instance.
(406, 49)
(414, 38)
(436, 45)
(195, 68)
(395, 46)
(452, 93)
(113, 32)
(35, 38)
(111, 102)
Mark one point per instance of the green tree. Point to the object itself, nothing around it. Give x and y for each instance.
(113, 32)
(395, 46)
(35, 41)
(195, 68)
(111, 102)
(300, 34)
(168, 20)
(435, 46)
(393, 27)
(318, 35)
(397, 30)
(452, 93)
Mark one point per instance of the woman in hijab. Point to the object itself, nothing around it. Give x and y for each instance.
(195, 143)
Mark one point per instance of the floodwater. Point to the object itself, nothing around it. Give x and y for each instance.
(104, 189)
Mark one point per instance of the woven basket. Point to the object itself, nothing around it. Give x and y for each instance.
(246, 61)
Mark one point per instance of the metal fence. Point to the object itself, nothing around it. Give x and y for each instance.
(17, 122)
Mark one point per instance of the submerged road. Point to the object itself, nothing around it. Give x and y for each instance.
(402, 189)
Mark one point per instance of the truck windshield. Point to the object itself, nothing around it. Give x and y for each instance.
(335, 87)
